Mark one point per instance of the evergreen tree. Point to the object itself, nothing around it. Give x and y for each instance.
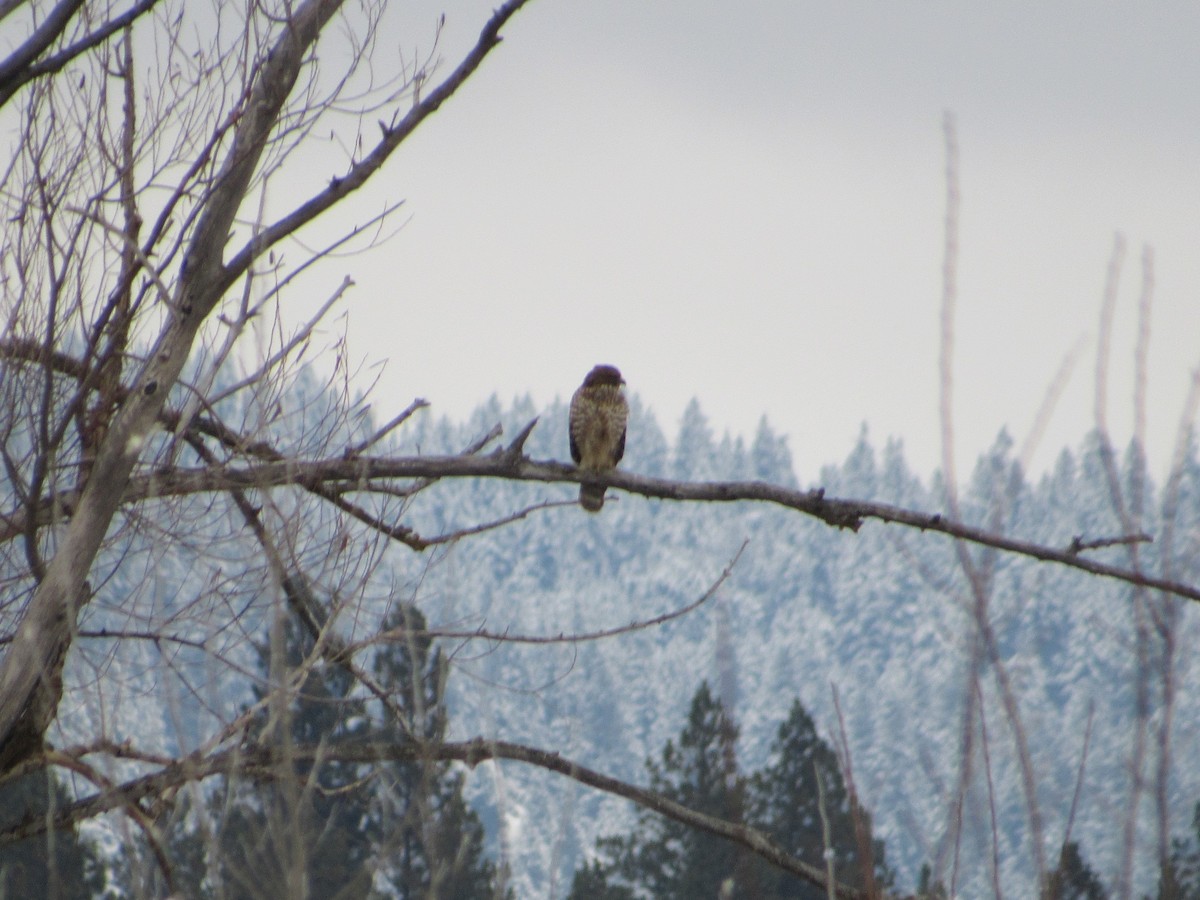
(694, 449)
(1179, 877)
(664, 858)
(591, 882)
(57, 865)
(785, 802)
(1074, 878)
(436, 840)
(338, 829)
(650, 454)
(858, 476)
(927, 887)
(770, 459)
(301, 832)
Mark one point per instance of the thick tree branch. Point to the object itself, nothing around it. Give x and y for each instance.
(328, 478)
(360, 472)
(49, 31)
(366, 474)
(22, 66)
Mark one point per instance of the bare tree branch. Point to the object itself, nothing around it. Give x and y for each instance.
(581, 637)
(392, 136)
(363, 472)
(30, 673)
(358, 473)
(22, 66)
(263, 761)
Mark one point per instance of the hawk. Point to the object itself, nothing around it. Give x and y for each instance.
(597, 426)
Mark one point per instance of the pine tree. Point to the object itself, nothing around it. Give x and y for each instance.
(663, 858)
(299, 833)
(58, 865)
(786, 803)
(437, 840)
(1074, 878)
(770, 459)
(1179, 877)
(337, 829)
(650, 454)
(592, 882)
(694, 449)
(666, 859)
(927, 887)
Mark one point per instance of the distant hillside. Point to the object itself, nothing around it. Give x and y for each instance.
(882, 616)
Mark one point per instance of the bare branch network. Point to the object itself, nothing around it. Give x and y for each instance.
(233, 126)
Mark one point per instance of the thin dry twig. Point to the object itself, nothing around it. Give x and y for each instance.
(1087, 742)
(1079, 545)
(949, 300)
(985, 748)
(387, 429)
(862, 831)
(562, 638)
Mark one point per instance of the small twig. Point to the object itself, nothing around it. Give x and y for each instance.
(949, 301)
(1108, 306)
(1087, 741)
(480, 442)
(1140, 358)
(516, 449)
(396, 532)
(470, 450)
(301, 335)
(396, 422)
(129, 245)
(504, 636)
(450, 537)
(1054, 392)
(862, 833)
(985, 747)
(1079, 545)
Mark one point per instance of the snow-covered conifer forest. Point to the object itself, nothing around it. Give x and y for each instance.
(265, 632)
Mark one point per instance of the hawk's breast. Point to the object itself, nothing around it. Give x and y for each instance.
(598, 419)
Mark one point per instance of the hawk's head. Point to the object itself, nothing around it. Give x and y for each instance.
(603, 375)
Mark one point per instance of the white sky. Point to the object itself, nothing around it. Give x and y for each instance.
(744, 203)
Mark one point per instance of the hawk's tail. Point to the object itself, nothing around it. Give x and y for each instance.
(591, 497)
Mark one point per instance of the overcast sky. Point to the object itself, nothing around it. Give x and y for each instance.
(744, 203)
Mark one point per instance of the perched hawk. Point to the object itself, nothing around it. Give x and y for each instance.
(597, 426)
